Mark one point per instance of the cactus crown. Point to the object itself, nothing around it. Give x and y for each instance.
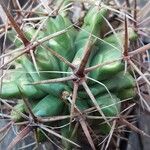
(67, 76)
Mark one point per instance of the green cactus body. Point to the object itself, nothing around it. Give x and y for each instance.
(52, 88)
(48, 106)
(27, 90)
(82, 104)
(46, 62)
(110, 49)
(62, 44)
(9, 90)
(109, 104)
(11, 34)
(88, 27)
(19, 82)
(105, 54)
(29, 33)
(20, 107)
(68, 132)
(46, 99)
(127, 93)
(114, 84)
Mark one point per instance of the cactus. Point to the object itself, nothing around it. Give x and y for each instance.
(61, 76)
